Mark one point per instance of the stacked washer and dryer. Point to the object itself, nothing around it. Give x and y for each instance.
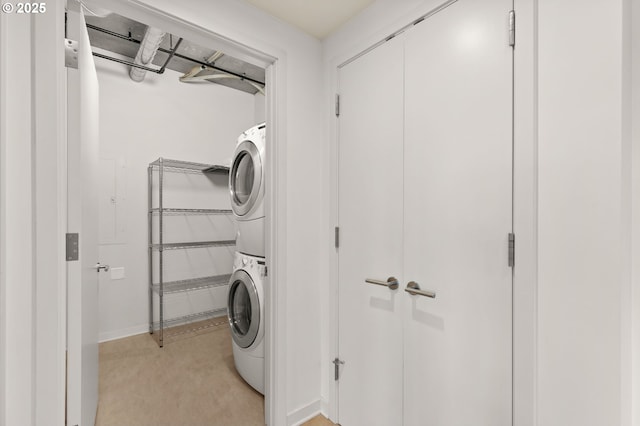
(245, 302)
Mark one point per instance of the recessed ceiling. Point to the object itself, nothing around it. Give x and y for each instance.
(316, 17)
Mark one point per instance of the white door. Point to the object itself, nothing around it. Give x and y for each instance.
(428, 202)
(457, 217)
(370, 218)
(82, 275)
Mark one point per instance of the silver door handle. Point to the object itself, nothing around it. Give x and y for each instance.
(414, 289)
(100, 267)
(391, 282)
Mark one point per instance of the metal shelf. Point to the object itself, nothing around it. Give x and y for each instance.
(177, 165)
(192, 284)
(192, 211)
(195, 326)
(173, 322)
(194, 244)
(157, 243)
(216, 169)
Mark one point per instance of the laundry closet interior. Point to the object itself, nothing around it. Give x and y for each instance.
(181, 218)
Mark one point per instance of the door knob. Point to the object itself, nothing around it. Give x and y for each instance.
(414, 289)
(100, 267)
(391, 282)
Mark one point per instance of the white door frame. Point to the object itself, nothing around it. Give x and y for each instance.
(273, 60)
(525, 209)
(49, 153)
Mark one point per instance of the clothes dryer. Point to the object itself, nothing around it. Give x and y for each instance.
(246, 188)
(245, 310)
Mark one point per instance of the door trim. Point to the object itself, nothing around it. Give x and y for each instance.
(524, 209)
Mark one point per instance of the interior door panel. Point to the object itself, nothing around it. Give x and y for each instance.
(425, 195)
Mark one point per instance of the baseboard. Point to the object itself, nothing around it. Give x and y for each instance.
(125, 332)
(305, 413)
(324, 407)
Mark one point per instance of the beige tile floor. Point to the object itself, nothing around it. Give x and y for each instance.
(192, 381)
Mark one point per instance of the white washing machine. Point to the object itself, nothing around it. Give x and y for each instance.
(245, 310)
(246, 188)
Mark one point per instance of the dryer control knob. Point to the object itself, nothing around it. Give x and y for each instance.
(244, 261)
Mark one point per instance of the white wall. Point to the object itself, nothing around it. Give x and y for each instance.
(260, 105)
(140, 122)
(581, 209)
(583, 189)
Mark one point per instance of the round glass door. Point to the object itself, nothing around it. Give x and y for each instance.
(245, 178)
(243, 309)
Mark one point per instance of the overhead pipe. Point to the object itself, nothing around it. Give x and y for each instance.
(177, 55)
(148, 49)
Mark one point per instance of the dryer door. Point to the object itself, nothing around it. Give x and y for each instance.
(243, 309)
(245, 178)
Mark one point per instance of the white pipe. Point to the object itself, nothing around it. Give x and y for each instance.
(148, 48)
(215, 57)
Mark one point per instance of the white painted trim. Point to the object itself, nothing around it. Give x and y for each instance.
(123, 333)
(17, 211)
(3, 221)
(274, 60)
(324, 407)
(525, 283)
(276, 238)
(303, 414)
(626, 290)
(333, 323)
(50, 222)
(634, 116)
(525, 205)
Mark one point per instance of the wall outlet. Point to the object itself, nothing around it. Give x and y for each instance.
(117, 273)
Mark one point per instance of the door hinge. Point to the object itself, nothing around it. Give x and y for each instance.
(71, 247)
(70, 53)
(512, 28)
(337, 363)
(512, 250)
(337, 105)
(337, 237)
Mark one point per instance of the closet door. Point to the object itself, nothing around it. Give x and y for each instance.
(457, 217)
(370, 218)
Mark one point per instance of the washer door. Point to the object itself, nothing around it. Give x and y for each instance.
(243, 309)
(245, 178)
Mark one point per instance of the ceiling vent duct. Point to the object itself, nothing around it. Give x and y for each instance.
(148, 48)
(203, 74)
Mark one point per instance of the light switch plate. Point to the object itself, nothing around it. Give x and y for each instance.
(117, 273)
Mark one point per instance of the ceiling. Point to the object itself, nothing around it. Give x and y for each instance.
(316, 17)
